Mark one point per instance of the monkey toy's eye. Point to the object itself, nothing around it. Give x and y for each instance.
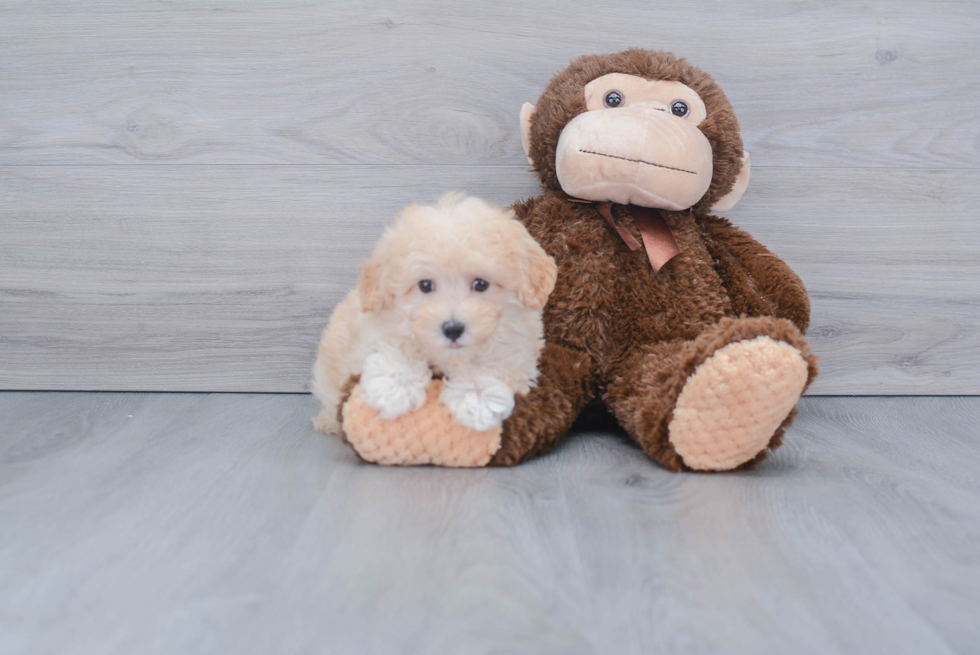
(427, 286)
(679, 108)
(613, 99)
(480, 285)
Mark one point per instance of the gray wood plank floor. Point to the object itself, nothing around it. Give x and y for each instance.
(188, 187)
(170, 523)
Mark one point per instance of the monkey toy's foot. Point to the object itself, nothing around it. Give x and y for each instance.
(734, 402)
(717, 402)
(428, 435)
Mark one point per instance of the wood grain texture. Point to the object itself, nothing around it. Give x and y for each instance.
(186, 188)
(882, 83)
(166, 523)
(196, 279)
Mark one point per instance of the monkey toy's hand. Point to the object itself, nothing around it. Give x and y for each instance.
(431, 434)
(427, 435)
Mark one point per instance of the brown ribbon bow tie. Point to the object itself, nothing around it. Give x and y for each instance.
(658, 240)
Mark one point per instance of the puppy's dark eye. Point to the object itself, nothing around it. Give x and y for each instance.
(427, 286)
(480, 285)
(613, 99)
(679, 108)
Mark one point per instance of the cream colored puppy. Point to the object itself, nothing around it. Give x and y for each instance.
(457, 289)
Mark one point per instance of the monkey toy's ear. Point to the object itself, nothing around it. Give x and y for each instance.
(728, 201)
(527, 111)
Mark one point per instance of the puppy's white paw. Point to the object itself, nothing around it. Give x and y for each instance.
(478, 406)
(394, 385)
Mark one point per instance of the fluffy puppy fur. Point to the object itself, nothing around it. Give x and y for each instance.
(455, 289)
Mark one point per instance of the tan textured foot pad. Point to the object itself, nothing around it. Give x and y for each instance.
(733, 403)
(426, 436)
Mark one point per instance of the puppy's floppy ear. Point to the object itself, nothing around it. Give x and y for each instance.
(539, 275)
(527, 111)
(369, 286)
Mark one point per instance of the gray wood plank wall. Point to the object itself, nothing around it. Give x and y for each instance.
(186, 188)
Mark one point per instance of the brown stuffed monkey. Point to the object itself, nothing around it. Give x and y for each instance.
(684, 326)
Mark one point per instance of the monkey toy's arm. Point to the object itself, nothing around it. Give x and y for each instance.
(758, 282)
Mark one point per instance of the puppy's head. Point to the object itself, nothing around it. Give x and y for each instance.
(453, 270)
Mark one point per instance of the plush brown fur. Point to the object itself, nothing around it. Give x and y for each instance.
(614, 329)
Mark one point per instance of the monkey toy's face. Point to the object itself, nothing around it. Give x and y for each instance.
(638, 143)
(639, 140)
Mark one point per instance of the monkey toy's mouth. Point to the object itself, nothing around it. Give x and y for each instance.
(634, 156)
(638, 161)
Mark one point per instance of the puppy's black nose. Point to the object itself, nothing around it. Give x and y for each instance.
(453, 330)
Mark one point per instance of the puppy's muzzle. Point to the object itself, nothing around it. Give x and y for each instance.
(453, 330)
